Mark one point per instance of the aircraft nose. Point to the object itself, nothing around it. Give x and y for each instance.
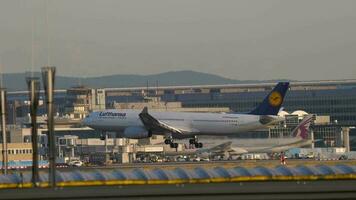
(86, 121)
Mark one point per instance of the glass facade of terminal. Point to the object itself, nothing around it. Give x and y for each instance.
(335, 100)
(340, 104)
(329, 136)
(338, 100)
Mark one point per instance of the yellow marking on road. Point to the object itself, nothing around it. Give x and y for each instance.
(185, 181)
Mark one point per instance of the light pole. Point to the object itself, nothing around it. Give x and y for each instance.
(48, 74)
(34, 88)
(3, 128)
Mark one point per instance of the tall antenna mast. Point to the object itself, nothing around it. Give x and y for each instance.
(147, 89)
(33, 43)
(1, 73)
(47, 30)
(156, 88)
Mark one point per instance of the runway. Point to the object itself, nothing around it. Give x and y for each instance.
(204, 164)
(243, 190)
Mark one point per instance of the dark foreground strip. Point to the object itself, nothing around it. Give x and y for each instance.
(337, 189)
(331, 177)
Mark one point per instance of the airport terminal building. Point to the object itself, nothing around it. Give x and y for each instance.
(336, 99)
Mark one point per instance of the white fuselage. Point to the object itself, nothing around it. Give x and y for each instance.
(261, 146)
(272, 149)
(190, 123)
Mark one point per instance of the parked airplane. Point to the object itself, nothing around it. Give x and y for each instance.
(135, 124)
(300, 133)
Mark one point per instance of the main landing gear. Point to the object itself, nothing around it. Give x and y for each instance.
(169, 141)
(194, 141)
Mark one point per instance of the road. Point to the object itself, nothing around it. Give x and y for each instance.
(225, 163)
(211, 164)
(205, 164)
(246, 190)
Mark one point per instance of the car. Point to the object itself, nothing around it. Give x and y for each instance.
(75, 163)
(182, 159)
(205, 159)
(197, 159)
(343, 157)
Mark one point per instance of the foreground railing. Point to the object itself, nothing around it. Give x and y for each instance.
(181, 175)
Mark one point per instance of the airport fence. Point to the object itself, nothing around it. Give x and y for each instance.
(181, 175)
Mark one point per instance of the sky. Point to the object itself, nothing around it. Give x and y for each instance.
(238, 39)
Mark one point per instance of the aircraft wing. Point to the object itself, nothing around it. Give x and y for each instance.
(221, 147)
(226, 149)
(154, 124)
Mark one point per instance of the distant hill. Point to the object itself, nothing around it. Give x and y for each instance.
(16, 81)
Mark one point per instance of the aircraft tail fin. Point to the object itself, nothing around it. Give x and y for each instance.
(302, 130)
(272, 103)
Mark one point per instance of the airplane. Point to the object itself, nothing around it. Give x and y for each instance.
(300, 133)
(178, 125)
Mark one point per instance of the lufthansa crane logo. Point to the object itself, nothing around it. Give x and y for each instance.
(275, 98)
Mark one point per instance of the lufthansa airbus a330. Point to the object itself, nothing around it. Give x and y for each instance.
(138, 124)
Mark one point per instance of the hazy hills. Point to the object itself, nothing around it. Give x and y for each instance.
(16, 81)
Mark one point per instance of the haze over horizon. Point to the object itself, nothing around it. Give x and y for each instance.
(242, 40)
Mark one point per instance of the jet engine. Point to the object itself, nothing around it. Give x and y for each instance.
(269, 120)
(136, 132)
